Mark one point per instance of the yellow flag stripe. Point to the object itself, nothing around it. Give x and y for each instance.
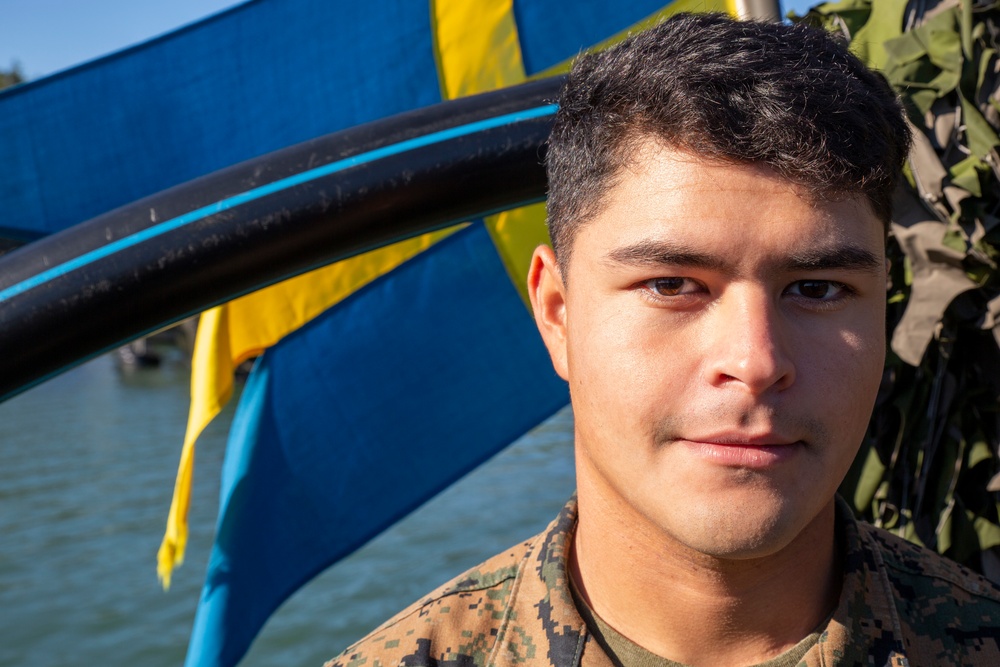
(476, 46)
(475, 61)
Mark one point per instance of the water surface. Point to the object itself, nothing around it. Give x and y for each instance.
(87, 464)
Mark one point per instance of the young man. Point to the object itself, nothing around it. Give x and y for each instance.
(715, 297)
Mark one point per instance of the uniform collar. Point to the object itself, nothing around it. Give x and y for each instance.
(544, 629)
(865, 625)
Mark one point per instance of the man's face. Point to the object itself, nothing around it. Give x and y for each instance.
(723, 338)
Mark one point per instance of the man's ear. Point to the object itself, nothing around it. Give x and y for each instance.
(547, 292)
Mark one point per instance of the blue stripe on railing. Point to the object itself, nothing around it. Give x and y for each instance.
(265, 190)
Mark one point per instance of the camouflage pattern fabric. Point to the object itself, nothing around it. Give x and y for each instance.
(900, 605)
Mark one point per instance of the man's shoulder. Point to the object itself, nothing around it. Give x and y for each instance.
(944, 609)
(910, 564)
(463, 616)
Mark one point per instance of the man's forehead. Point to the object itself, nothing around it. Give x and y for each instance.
(663, 199)
(702, 175)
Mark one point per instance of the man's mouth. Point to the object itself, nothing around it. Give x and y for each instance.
(744, 451)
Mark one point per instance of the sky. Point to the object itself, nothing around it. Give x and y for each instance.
(46, 36)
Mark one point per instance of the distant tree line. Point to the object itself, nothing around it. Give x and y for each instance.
(12, 76)
(8, 78)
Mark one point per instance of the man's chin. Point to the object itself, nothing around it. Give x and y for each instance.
(741, 529)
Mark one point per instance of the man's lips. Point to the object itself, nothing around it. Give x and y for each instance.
(745, 451)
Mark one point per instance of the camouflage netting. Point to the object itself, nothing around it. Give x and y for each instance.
(928, 467)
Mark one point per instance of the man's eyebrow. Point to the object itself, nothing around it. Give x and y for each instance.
(845, 257)
(667, 253)
(661, 253)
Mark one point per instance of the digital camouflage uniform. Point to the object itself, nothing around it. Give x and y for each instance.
(900, 605)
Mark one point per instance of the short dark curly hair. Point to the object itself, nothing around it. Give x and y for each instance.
(786, 96)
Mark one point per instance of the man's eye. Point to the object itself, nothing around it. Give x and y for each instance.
(823, 290)
(671, 286)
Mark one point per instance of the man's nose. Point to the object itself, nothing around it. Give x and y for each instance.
(748, 343)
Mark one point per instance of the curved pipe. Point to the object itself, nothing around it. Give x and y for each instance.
(76, 294)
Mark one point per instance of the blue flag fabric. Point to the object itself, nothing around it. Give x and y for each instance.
(356, 419)
(259, 77)
(256, 78)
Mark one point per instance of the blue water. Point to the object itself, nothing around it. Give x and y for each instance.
(87, 463)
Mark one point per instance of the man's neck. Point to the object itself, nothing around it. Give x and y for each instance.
(693, 608)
